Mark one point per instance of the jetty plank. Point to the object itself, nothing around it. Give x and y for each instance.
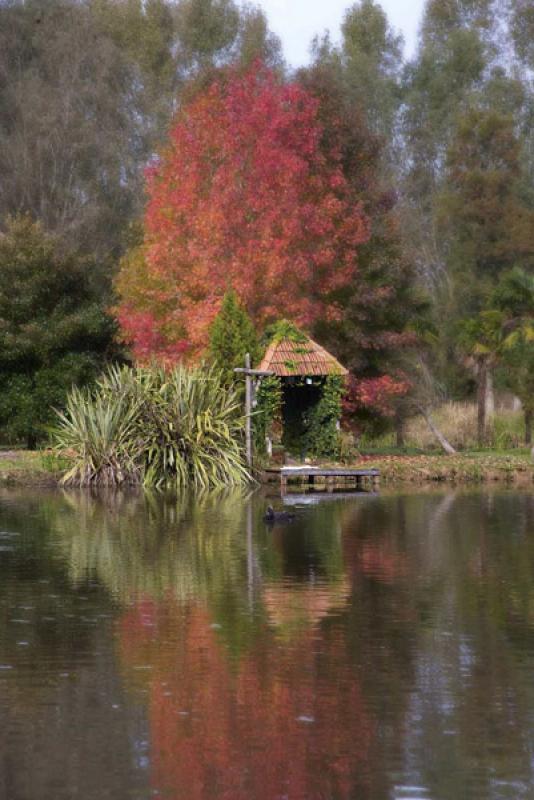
(318, 472)
(311, 477)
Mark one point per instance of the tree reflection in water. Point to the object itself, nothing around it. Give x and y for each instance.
(260, 699)
(373, 645)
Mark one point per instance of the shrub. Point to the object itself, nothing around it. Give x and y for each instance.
(161, 428)
(232, 336)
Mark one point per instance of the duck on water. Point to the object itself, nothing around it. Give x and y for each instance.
(277, 516)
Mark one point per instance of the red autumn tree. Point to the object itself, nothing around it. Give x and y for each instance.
(245, 197)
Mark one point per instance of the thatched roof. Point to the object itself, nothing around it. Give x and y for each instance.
(299, 357)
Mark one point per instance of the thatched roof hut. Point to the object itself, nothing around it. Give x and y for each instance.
(307, 374)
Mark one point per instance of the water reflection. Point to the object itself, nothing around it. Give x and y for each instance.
(66, 727)
(379, 647)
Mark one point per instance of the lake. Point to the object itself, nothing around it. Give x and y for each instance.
(378, 647)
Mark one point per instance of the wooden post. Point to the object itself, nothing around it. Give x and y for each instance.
(248, 410)
(250, 375)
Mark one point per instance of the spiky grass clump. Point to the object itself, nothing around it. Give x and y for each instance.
(174, 428)
(101, 435)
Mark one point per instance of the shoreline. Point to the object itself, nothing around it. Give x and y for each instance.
(27, 468)
(468, 468)
(24, 468)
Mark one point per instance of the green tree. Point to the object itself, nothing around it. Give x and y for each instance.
(467, 160)
(87, 92)
(485, 226)
(212, 33)
(145, 35)
(71, 136)
(502, 336)
(484, 222)
(207, 29)
(368, 67)
(232, 336)
(519, 377)
(256, 41)
(53, 330)
(522, 28)
(438, 83)
(371, 53)
(514, 296)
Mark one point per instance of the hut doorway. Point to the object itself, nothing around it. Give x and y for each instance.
(298, 401)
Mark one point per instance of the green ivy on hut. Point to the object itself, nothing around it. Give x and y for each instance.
(322, 437)
(268, 410)
(299, 406)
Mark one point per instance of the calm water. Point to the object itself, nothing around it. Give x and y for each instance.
(377, 648)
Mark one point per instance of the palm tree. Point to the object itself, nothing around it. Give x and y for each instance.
(482, 338)
(504, 334)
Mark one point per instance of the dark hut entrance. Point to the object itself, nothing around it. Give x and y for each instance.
(298, 401)
(304, 371)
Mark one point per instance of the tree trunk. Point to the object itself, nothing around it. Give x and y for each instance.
(482, 379)
(529, 419)
(399, 429)
(490, 398)
(447, 446)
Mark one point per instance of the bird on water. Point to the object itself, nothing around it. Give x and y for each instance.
(277, 516)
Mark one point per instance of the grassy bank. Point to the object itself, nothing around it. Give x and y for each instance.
(25, 468)
(470, 467)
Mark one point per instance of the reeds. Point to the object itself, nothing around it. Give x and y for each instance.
(155, 427)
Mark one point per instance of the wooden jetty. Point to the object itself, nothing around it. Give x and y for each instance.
(329, 480)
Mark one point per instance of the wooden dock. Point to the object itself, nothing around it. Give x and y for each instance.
(318, 479)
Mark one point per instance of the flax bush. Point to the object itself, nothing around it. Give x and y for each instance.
(162, 428)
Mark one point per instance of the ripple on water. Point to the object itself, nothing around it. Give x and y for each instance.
(411, 793)
(352, 647)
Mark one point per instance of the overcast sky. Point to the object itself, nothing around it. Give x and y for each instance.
(297, 21)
